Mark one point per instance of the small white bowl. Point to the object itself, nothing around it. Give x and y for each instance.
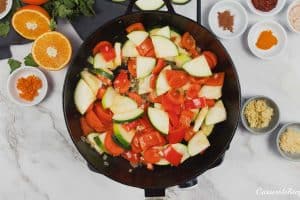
(280, 5)
(24, 72)
(277, 30)
(240, 19)
(8, 8)
(296, 2)
(288, 156)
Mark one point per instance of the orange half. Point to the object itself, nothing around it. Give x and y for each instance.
(31, 21)
(52, 50)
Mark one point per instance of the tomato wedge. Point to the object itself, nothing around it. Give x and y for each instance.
(104, 115)
(152, 155)
(132, 66)
(175, 97)
(210, 102)
(216, 80)
(199, 102)
(189, 134)
(151, 138)
(86, 129)
(176, 135)
(101, 93)
(131, 125)
(94, 122)
(136, 97)
(193, 91)
(159, 66)
(111, 146)
(153, 81)
(135, 27)
(211, 59)
(194, 53)
(176, 78)
(172, 156)
(199, 81)
(135, 144)
(132, 157)
(106, 49)
(146, 48)
(186, 118)
(188, 42)
(174, 119)
(122, 83)
(169, 106)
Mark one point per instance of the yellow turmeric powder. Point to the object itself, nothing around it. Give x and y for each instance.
(28, 87)
(266, 40)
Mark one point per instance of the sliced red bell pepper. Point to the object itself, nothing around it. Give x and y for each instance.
(145, 48)
(176, 78)
(186, 118)
(152, 155)
(199, 102)
(187, 41)
(132, 157)
(175, 97)
(111, 146)
(193, 91)
(159, 66)
(216, 80)
(132, 66)
(86, 129)
(122, 82)
(176, 135)
(104, 115)
(211, 59)
(172, 155)
(150, 139)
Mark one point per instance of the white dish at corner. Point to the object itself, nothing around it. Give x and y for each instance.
(277, 30)
(280, 5)
(24, 72)
(8, 8)
(240, 19)
(294, 3)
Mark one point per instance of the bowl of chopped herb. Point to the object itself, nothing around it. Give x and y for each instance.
(260, 115)
(5, 7)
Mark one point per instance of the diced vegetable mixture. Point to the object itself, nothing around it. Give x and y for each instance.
(153, 100)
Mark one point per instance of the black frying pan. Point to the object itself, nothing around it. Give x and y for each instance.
(154, 182)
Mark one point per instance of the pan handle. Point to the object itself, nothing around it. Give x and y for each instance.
(167, 2)
(155, 194)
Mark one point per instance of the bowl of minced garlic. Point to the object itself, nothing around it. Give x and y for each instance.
(260, 115)
(288, 141)
(27, 86)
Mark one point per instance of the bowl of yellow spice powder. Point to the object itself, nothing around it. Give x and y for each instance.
(260, 115)
(288, 141)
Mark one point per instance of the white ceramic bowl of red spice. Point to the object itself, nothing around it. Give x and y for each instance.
(24, 72)
(236, 11)
(268, 13)
(8, 7)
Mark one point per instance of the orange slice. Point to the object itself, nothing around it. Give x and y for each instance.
(52, 50)
(31, 21)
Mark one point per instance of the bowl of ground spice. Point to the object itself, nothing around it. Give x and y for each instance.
(228, 19)
(288, 141)
(267, 39)
(260, 115)
(27, 86)
(5, 7)
(266, 7)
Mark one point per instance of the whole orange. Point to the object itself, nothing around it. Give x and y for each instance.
(35, 2)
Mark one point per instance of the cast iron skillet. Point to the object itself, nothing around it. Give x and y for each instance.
(154, 182)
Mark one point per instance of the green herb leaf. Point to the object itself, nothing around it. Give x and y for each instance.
(14, 64)
(53, 24)
(4, 28)
(29, 61)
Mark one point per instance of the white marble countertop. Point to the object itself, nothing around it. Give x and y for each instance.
(39, 161)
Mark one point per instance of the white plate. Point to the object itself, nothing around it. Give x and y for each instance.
(8, 8)
(240, 19)
(280, 5)
(277, 30)
(24, 72)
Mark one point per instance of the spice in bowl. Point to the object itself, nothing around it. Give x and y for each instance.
(226, 20)
(294, 17)
(264, 5)
(289, 141)
(258, 114)
(266, 40)
(28, 87)
(3, 5)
